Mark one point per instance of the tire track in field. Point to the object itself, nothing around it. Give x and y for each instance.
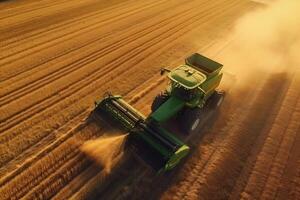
(8, 6)
(40, 65)
(42, 60)
(63, 175)
(262, 170)
(47, 139)
(50, 162)
(77, 183)
(101, 182)
(64, 70)
(93, 23)
(244, 175)
(38, 38)
(296, 182)
(52, 18)
(39, 33)
(46, 162)
(51, 58)
(51, 10)
(46, 22)
(21, 12)
(90, 43)
(280, 161)
(114, 190)
(78, 125)
(288, 183)
(93, 55)
(133, 53)
(59, 161)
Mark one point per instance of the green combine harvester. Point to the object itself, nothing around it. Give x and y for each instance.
(190, 95)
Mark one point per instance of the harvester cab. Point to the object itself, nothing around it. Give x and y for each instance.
(190, 94)
(190, 87)
(184, 82)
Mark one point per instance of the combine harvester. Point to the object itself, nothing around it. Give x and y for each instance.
(189, 97)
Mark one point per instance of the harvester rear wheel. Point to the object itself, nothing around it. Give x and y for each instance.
(159, 100)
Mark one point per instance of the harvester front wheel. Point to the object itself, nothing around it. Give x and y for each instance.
(216, 99)
(159, 100)
(191, 120)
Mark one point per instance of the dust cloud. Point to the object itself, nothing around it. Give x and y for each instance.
(105, 151)
(266, 40)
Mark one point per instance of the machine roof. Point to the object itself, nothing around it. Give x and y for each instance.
(187, 76)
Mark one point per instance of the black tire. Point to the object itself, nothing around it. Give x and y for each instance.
(216, 99)
(159, 100)
(191, 120)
